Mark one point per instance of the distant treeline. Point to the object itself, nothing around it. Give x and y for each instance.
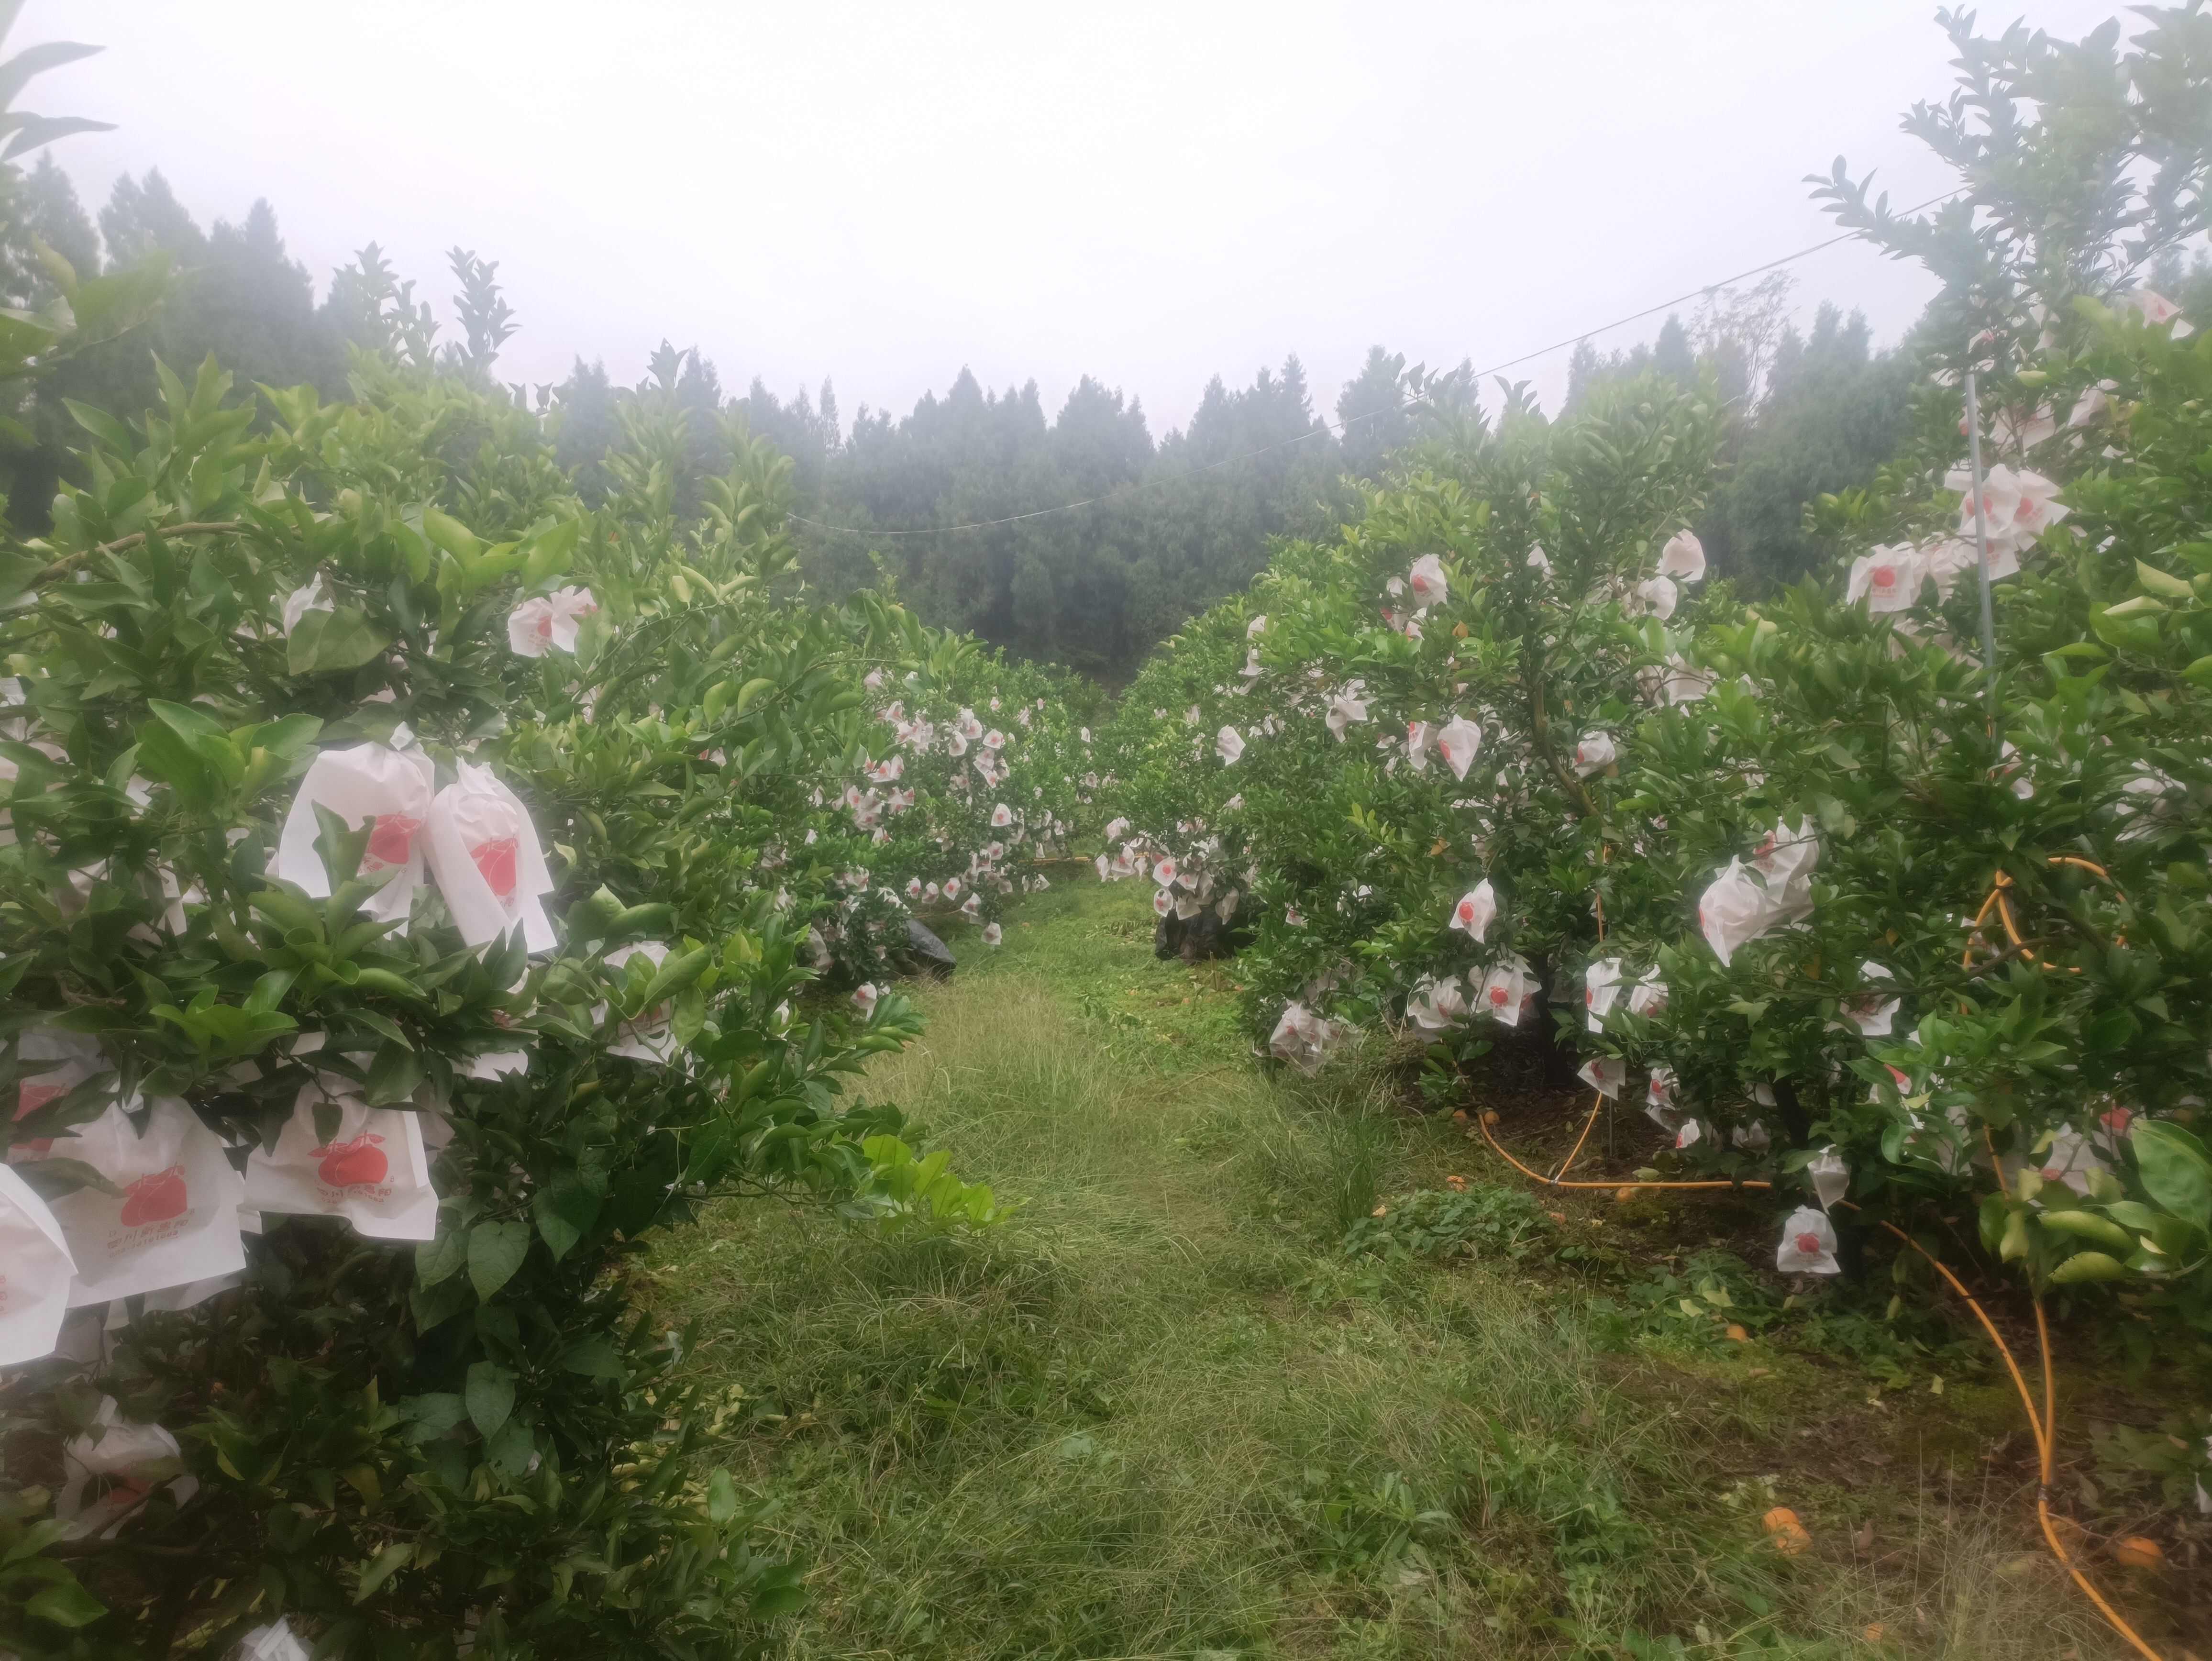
(1178, 519)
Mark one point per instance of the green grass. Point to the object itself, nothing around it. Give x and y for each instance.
(1163, 1412)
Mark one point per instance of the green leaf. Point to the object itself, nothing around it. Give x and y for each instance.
(435, 1260)
(38, 130)
(393, 1075)
(455, 538)
(496, 1251)
(2086, 1266)
(326, 642)
(595, 1358)
(196, 727)
(65, 1603)
(510, 1451)
(489, 1393)
(102, 426)
(550, 553)
(16, 74)
(2128, 630)
(381, 1568)
(565, 1208)
(2177, 1172)
(2156, 581)
(432, 1416)
(434, 1305)
(722, 1496)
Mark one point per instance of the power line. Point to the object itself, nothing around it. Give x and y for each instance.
(1326, 426)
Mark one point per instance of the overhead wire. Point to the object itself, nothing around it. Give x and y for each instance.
(1123, 491)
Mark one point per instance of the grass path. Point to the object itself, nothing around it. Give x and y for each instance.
(1165, 1412)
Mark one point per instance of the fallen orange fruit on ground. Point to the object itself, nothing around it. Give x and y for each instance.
(1736, 1335)
(2136, 1553)
(1786, 1531)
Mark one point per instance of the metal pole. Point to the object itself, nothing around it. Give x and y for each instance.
(1982, 542)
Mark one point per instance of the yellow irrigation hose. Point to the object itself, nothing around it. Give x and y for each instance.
(1597, 1106)
(1995, 900)
(2043, 1425)
(1555, 1182)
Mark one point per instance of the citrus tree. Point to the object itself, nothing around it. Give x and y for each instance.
(404, 913)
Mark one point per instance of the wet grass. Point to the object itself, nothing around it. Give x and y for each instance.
(1165, 1412)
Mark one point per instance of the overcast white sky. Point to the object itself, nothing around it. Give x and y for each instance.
(1149, 193)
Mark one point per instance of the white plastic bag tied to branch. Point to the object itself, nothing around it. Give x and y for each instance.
(1508, 992)
(1873, 1010)
(1303, 1038)
(548, 623)
(113, 1468)
(484, 853)
(36, 1273)
(1604, 1074)
(1459, 743)
(1830, 1176)
(648, 1038)
(270, 1643)
(1808, 1244)
(389, 790)
(173, 1217)
(1887, 579)
(1427, 580)
(1476, 910)
(1601, 991)
(1436, 1005)
(1594, 754)
(372, 1169)
(1683, 558)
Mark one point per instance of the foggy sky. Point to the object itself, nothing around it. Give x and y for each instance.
(1150, 194)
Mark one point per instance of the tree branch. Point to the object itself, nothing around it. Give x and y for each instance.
(61, 566)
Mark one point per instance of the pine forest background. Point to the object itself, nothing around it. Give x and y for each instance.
(1182, 518)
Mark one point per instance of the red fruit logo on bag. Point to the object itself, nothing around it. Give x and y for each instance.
(496, 860)
(357, 1163)
(391, 841)
(155, 1198)
(29, 1099)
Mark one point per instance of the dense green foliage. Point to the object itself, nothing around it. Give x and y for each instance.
(629, 728)
(1864, 919)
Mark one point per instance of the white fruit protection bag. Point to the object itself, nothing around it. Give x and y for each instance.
(372, 1172)
(271, 1643)
(1507, 991)
(369, 782)
(646, 1038)
(36, 1271)
(175, 1218)
(65, 1061)
(133, 1459)
(484, 851)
